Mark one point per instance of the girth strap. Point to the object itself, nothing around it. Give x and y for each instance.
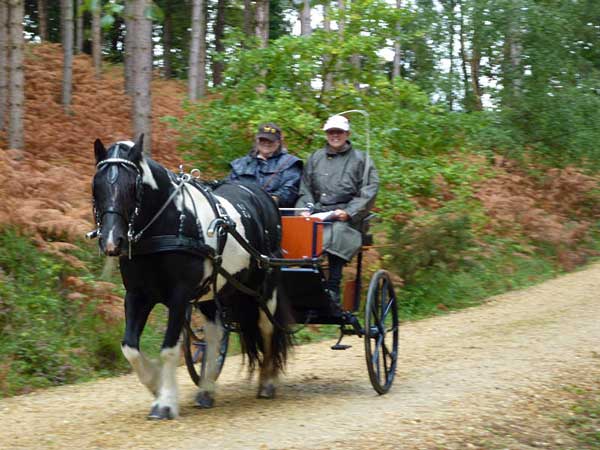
(157, 244)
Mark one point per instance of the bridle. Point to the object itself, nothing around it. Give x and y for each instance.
(139, 191)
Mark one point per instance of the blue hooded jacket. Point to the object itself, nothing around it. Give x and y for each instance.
(279, 175)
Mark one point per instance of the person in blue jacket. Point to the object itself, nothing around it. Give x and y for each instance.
(271, 166)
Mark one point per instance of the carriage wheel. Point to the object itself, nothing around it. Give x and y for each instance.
(194, 348)
(381, 331)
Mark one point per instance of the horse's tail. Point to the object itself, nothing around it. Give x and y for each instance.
(250, 337)
(282, 336)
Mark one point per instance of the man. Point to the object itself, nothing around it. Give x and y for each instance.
(271, 166)
(342, 180)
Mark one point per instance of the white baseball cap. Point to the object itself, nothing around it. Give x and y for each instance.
(338, 122)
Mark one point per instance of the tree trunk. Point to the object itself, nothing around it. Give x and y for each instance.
(79, 27)
(142, 73)
(219, 32)
(449, 5)
(97, 40)
(248, 25)
(43, 19)
(16, 93)
(3, 62)
(342, 20)
(475, 63)
(463, 59)
(397, 47)
(305, 25)
(67, 43)
(194, 67)
(167, 40)
(341, 29)
(262, 22)
(327, 69)
(128, 55)
(512, 57)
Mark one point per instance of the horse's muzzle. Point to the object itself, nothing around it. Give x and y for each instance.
(112, 247)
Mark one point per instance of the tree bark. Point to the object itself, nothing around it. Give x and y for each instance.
(129, 53)
(167, 40)
(79, 27)
(219, 32)
(16, 93)
(342, 20)
(511, 73)
(328, 76)
(305, 25)
(196, 73)
(97, 40)
(449, 6)
(142, 74)
(43, 19)
(3, 62)
(67, 42)
(262, 23)
(463, 58)
(397, 47)
(248, 25)
(475, 63)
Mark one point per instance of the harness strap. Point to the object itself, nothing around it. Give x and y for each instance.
(136, 236)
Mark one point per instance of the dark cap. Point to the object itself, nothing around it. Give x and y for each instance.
(269, 131)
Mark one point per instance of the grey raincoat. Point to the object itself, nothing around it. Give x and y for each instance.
(340, 181)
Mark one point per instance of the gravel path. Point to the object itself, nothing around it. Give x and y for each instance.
(486, 377)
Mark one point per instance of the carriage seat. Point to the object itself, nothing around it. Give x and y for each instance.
(302, 237)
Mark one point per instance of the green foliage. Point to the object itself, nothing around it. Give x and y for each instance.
(47, 339)
(480, 274)
(437, 243)
(583, 421)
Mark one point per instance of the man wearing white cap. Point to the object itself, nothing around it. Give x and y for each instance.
(344, 181)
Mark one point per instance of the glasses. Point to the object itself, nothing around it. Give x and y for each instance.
(335, 131)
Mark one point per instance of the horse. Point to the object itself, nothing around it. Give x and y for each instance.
(168, 232)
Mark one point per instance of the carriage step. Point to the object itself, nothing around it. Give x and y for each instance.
(340, 347)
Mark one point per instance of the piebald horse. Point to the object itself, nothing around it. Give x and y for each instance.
(158, 224)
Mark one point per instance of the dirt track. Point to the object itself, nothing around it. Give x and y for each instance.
(481, 378)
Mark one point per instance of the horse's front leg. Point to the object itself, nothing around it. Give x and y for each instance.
(213, 334)
(268, 369)
(166, 405)
(137, 309)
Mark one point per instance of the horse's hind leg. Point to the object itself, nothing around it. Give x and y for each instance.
(213, 333)
(268, 369)
(137, 310)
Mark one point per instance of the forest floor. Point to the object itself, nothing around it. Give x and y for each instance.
(507, 374)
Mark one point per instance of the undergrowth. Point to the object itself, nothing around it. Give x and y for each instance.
(583, 420)
(47, 339)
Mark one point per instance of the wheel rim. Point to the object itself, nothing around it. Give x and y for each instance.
(194, 344)
(381, 332)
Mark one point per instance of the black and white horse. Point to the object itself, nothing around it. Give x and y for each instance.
(158, 223)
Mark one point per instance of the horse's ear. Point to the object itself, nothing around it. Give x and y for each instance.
(99, 151)
(138, 148)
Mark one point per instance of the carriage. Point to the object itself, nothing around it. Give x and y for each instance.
(304, 272)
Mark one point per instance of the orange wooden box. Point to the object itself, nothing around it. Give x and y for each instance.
(297, 237)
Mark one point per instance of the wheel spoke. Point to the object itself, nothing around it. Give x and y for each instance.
(199, 351)
(387, 308)
(385, 366)
(376, 360)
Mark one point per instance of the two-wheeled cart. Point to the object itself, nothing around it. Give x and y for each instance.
(304, 273)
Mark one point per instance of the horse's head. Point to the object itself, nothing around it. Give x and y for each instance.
(117, 191)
